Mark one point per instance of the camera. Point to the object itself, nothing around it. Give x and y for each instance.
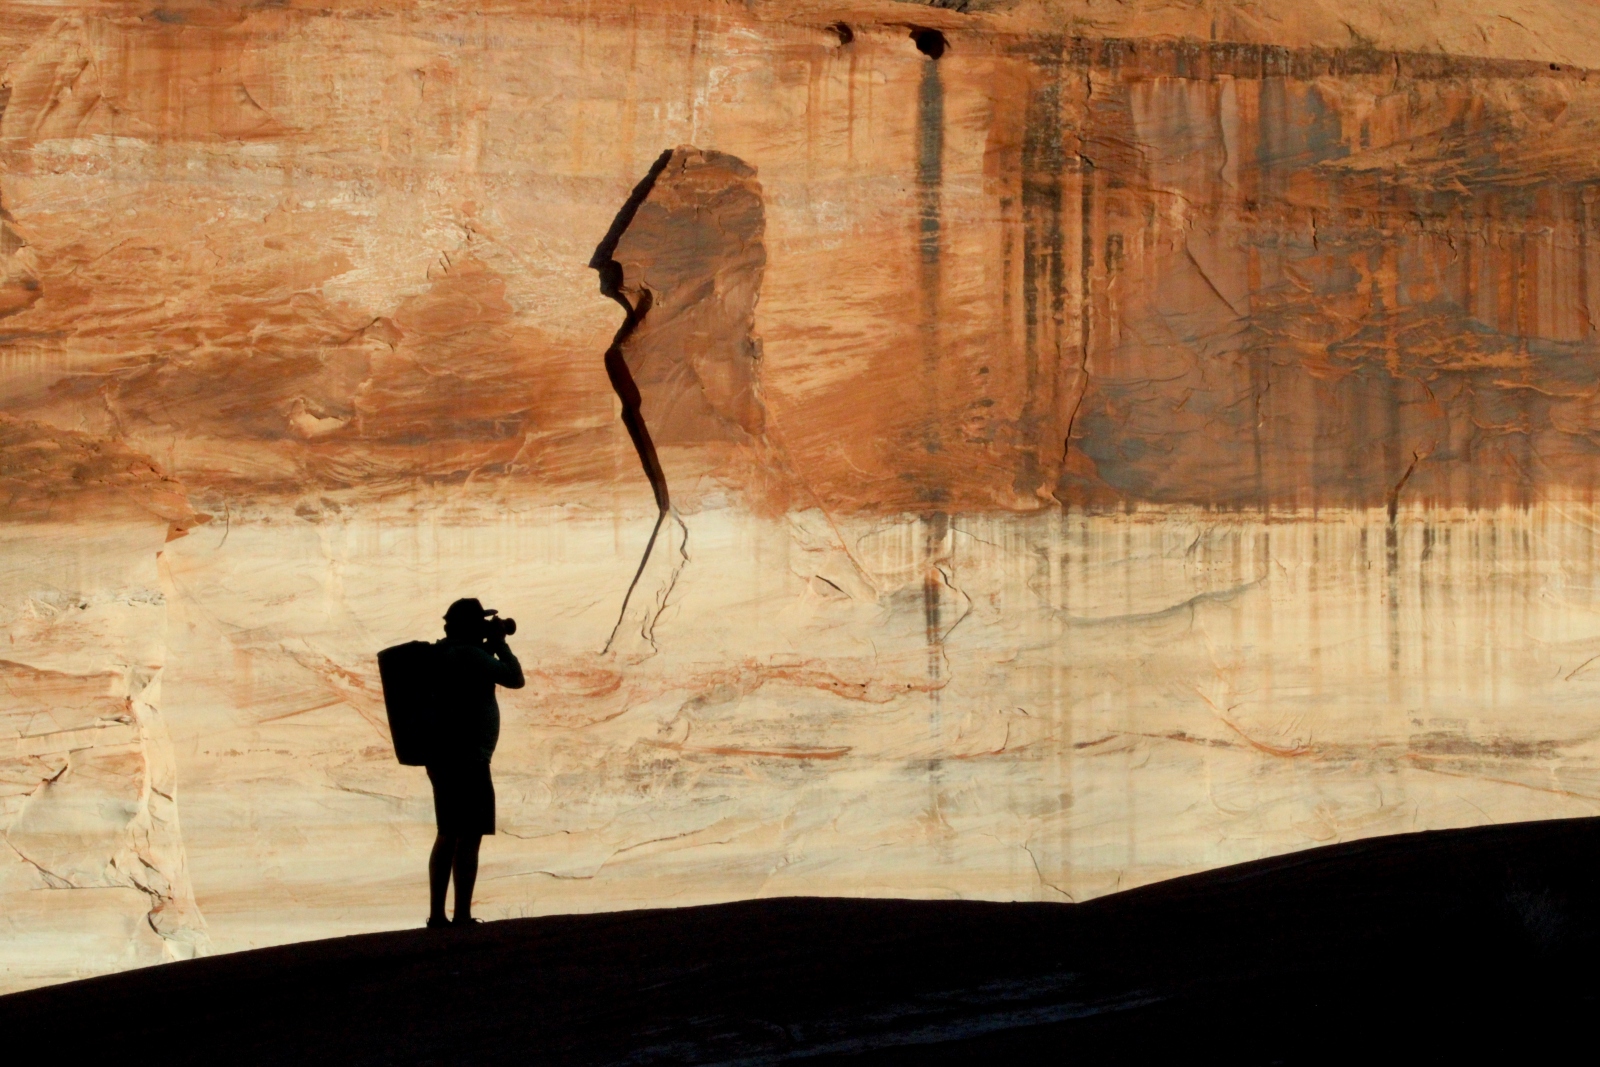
(494, 626)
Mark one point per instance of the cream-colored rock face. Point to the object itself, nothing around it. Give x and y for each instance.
(94, 877)
(1042, 708)
(1141, 439)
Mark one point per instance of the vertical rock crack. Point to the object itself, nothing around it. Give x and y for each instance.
(611, 278)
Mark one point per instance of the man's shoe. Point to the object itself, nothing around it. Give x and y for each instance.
(439, 923)
(467, 922)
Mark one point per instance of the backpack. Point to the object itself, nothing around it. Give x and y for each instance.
(411, 675)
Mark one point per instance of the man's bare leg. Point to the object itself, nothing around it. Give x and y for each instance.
(439, 863)
(466, 874)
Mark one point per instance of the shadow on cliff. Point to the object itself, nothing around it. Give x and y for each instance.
(684, 258)
(1473, 941)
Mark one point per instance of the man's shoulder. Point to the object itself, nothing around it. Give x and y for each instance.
(462, 653)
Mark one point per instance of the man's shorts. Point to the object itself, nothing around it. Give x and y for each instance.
(463, 797)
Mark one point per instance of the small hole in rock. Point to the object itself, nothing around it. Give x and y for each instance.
(843, 32)
(930, 43)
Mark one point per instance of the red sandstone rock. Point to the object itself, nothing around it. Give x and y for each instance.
(1107, 440)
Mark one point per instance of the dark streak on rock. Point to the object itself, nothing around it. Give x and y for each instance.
(930, 178)
(627, 390)
(1044, 162)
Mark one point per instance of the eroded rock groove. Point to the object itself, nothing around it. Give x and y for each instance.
(627, 390)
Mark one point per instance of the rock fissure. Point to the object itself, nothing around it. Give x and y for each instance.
(621, 378)
(684, 259)
(51, 879)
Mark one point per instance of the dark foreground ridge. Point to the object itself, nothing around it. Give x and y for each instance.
(1479, 942)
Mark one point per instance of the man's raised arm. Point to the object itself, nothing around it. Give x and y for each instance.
(504, 669)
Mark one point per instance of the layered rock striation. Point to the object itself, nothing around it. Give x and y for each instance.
(1009, 449)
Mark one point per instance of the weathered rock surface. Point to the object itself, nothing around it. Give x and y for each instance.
(1102, 441)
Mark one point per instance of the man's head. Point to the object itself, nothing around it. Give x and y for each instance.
(465, 618)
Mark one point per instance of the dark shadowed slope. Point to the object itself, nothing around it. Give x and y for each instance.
(1474, 941)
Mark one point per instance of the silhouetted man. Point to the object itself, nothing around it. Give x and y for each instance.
(473, 659)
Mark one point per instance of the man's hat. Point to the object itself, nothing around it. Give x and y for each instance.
(468, 609)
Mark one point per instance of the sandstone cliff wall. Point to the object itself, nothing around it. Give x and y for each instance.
(1103, 441)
